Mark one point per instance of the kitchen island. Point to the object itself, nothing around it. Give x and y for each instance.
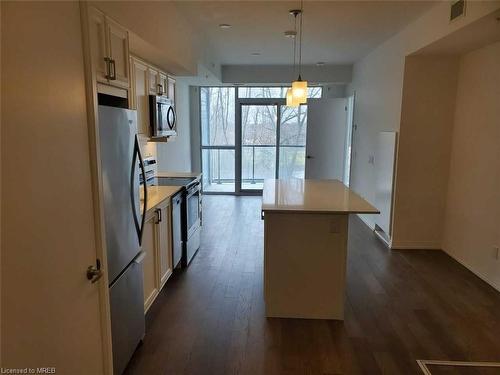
(305, 246)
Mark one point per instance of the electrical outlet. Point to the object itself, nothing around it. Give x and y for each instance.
(496, 252)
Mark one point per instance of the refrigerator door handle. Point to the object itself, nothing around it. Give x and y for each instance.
(137, 154)
(140, 257)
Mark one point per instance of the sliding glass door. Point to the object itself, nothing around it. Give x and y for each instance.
(258, 144)
(248, 135)
(292, 142)
(272, 144)
(218, 139)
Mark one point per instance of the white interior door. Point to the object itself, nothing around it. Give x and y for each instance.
(51, 313)
(326, 139)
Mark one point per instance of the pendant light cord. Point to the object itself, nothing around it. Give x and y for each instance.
(300, 38)
(294, 45)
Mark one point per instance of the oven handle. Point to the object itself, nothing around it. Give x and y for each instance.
(193, 189)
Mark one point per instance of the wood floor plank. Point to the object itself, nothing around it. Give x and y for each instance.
(400, 306)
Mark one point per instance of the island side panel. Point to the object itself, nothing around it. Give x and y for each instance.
(305, 265)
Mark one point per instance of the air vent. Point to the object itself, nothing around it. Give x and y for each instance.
(457, 9)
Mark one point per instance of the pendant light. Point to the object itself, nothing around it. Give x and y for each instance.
(290, 101)
(299, 87)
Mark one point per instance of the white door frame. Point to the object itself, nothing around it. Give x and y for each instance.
(97, 190)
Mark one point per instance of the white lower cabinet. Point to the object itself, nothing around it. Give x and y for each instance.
(157, 244)
(165, 241)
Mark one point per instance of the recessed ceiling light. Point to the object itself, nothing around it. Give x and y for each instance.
(320, 63)
(256, 53)
(290, 34)
(225, 26)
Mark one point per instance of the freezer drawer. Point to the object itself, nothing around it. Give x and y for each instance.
(127, 315)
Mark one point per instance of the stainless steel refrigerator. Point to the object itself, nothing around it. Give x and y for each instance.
(121, 163)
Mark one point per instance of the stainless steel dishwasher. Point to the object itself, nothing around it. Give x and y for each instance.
(177, 228)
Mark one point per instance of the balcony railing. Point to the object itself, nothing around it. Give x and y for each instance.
(251, 176)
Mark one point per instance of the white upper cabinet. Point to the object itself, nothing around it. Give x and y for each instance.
(163, 84)
(97, 31)
(109, 46)
(154, 81)
(171, 89)
(140, 92)
(118, 53)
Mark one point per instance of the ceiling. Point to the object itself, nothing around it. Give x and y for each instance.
(335, 32)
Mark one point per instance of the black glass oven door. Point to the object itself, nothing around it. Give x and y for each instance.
(193, 211)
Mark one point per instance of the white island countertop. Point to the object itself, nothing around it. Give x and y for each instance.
(312, 196)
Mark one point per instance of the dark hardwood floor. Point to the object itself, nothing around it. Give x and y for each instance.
(401, 306)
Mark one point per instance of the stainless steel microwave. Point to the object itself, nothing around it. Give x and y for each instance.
(162, 116)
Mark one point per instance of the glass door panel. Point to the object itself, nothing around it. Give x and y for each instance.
(258, 144)
(218, 170)
(292, 141)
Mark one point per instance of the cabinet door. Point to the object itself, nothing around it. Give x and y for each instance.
(140, 95)
(171, 89)
(154, 81)
(163, 81)
(98, 46)
(119, 53)
(149, 264)
(165, 242)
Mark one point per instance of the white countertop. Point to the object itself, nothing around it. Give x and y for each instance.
(157, 194)
(179, 174)
(312, 196)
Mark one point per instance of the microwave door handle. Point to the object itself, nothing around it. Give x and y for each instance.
(171, 124)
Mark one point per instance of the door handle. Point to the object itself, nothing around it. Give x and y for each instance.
(94, 273)
(309, 157)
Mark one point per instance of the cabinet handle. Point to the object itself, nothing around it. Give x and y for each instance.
(112, 63)
(160, 89)
(108, 67)
(158, 216)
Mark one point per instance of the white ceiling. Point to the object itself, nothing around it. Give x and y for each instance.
(335, 32)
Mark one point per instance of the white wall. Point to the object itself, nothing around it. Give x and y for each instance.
(378, 83)
(472, 215)
(175, 155)
(266, 74)
(334, 91)
(428, 104)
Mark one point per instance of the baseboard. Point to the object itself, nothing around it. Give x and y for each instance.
(475, 272)
(368, 224)
(415, 245)
(382, 238)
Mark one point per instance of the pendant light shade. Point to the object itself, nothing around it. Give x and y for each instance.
(299, 91)
(290, 102)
